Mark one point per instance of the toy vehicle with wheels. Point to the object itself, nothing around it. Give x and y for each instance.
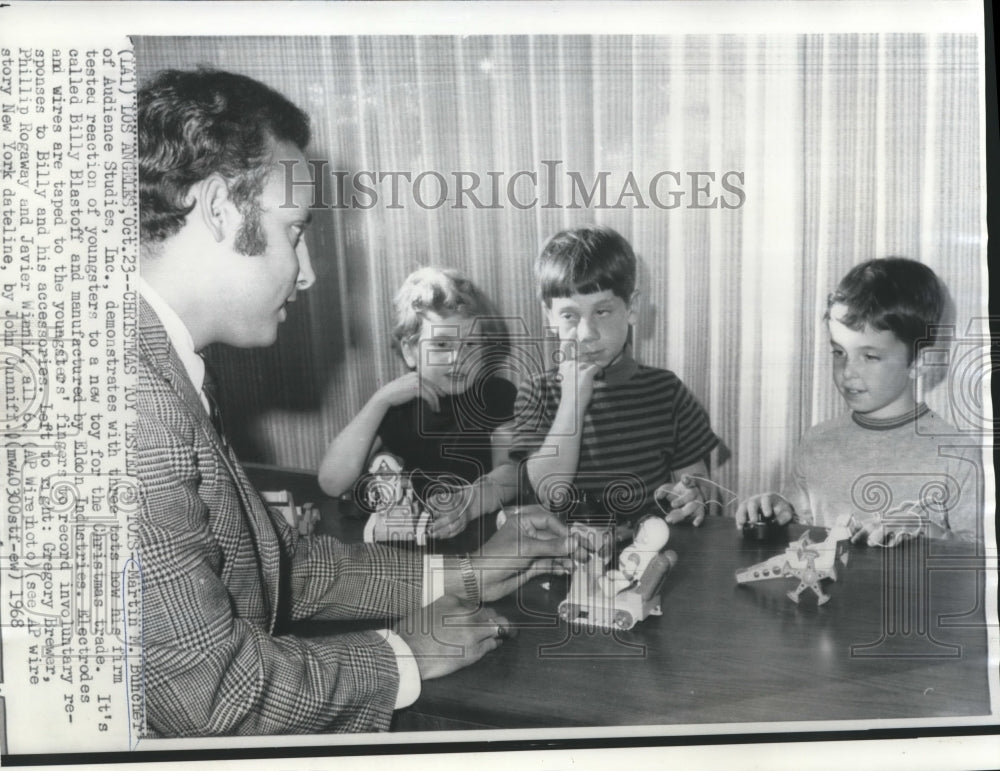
(618, 599)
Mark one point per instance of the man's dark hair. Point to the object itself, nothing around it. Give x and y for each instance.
(895, 294)
(196, 123)
(583, 261)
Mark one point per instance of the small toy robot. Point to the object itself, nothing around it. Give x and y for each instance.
(618, 598)
(805, 560)
(396, 513)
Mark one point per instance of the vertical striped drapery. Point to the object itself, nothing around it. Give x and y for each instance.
(849, 146)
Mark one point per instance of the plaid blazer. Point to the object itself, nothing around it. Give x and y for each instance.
(222, 574)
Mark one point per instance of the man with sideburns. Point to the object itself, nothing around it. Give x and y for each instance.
(222, 257)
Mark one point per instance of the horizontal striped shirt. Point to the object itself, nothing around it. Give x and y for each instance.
(642, 423)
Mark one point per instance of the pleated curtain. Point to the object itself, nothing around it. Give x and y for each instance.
(847, 147)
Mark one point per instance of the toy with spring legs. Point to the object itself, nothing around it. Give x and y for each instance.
(396, 513)
(618, 598)
(807, 561)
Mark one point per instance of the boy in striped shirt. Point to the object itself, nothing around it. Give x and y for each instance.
(601, 427)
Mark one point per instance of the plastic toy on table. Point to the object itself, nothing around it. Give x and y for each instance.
(810, 562)
(396, 513)
(619, 598)
(766, 531)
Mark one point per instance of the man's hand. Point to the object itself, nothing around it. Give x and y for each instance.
(407, 388)
(532, 541)
(764, 506)
(591, 543)
(447, 636)
(576, 377)
(685, 499)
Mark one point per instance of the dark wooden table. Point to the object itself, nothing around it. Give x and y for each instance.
(903, 636)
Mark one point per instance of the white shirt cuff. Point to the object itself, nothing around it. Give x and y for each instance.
(409, 672)
(433, 579)
(406, 664)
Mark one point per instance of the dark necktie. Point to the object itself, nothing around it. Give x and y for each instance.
(210, 387)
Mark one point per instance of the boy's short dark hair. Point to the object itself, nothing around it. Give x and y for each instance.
(893, 294)
(196, 123)
(583, 261)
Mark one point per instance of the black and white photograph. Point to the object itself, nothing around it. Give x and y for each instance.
(448, 380)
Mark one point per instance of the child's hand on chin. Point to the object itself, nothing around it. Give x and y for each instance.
(407, 388)
(575, 375)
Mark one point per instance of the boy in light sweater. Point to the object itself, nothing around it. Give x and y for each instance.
(891, 462)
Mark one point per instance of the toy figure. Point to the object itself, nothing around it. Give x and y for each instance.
(808, 561)
(396, 514)
(651, 537)
(619, 598)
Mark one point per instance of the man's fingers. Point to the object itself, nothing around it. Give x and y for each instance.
(441, 519)
(495, 589)
(531, 546)
(580, 547)
(497, 630)
(488, 644)
(453, 629)
(547, 566)
(541, 535)
(543, 524)
(486, 634)
(559, 565)
(447, 525)
(497, 585)
(499, 624)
